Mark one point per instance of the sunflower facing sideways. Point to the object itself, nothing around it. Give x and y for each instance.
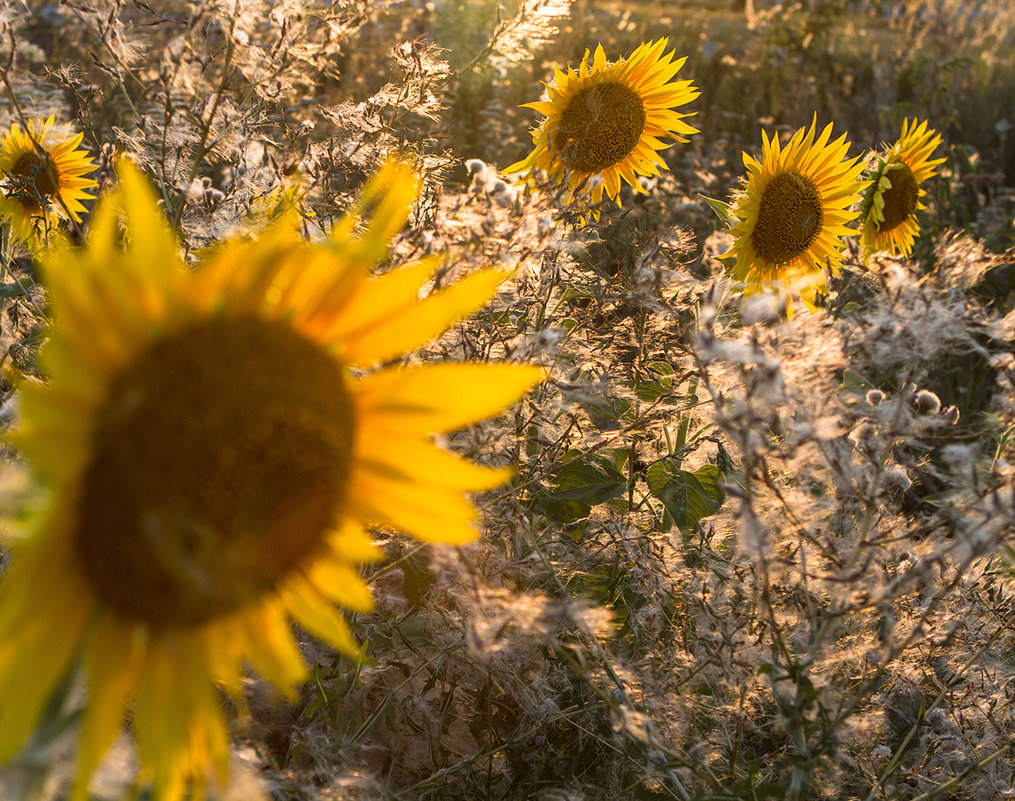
(608, 122)
(215, 441)
(42, 176)
(891, 201)
(792, 212)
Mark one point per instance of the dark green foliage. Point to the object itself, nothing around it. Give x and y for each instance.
(687, 496)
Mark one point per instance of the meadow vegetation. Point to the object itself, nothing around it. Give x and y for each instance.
(742, 556)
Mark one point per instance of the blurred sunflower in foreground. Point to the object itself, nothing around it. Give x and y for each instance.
(606, 122)
(216, 440)
(42, 173)
(788, 220)
(892, 199)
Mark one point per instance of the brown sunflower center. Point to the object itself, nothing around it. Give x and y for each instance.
(220, 462)
(900, 198)
(600, 127)
(789, 218)
(31, 178)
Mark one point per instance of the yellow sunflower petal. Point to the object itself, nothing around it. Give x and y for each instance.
(341, 583)
(382, 339)
(34, 659)
(442, 397)
(41, 181)
(426, 513)
(320, 618)
(371, 303)
(384, 202)
(350, 543)
(113, 661)
(273, 651)
(422, 461)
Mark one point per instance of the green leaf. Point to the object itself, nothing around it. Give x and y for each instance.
(606, 414)
(580, 484)
(724, 211)
(564, 512)
(592, 480)
(576, 531)
(723, 461)
(659, 382)
(618, 457)
(854, 387)
(588, 480)
(16, 288)
(688, 497)
(749, 791)
(532, 446)
(413, 628)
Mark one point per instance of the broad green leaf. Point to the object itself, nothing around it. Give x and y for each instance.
(724, 211)
(16, 288)
(688, 497)
(659, 382)
(592, 480)
(587, 480)
(606, 414)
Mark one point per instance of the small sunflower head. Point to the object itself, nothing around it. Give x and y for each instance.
(42, 169)
(605, 123)
(894, 195)
(789, 219)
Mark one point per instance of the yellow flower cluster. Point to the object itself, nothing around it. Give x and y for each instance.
(791, 216)
(605, 124)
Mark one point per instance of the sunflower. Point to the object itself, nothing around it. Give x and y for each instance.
(42, 173)
(216, 440)
(605, 123)
(892, 199)
(789, 219)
